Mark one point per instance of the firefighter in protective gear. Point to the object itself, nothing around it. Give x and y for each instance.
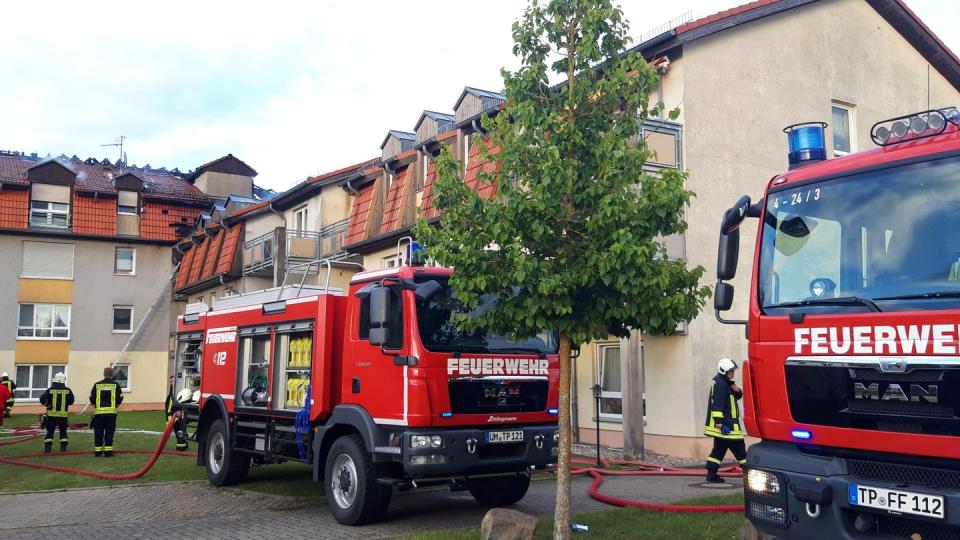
(106, 397)
(723, 419)
(57, 399)
(4, 394)
(11, 386)
(173, 409)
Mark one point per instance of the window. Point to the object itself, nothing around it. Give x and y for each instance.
(33, 380)
(124, 261)
(122, 319)
(608, 375)
(843, 129)
(121, 374)
(46, 260)
(466, 151)
(300, 219)
(126, 210)
(45, 321)
(127, 203)
(392, 261)
(49, 214)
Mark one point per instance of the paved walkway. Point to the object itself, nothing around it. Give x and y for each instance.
(196, 510)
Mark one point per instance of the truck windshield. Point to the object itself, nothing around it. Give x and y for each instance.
(438, 332)
(886, 240)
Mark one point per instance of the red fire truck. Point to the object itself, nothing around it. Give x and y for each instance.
(377, 389)
(853, 376)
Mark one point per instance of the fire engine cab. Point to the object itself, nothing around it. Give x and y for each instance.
(853, 376)
(376, 388)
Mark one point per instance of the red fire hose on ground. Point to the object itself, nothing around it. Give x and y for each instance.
(30, 432)
(641, 468)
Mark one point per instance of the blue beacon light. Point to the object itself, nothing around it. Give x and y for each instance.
(806, 143)
(553, 411)
(801, 434)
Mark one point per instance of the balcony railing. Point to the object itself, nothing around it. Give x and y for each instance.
(282, 247)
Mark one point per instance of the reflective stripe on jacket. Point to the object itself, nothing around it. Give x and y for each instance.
(57, 399)
(722, 410)
(106, 396)
(11, 387)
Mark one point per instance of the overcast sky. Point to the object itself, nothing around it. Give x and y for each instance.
(291, 90)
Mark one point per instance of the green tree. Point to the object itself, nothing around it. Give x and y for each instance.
(573, 238)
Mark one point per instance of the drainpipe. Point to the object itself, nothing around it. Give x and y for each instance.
(353, 191)
(227, 287)
(475, 124)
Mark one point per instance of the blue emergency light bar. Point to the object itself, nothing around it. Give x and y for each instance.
(806, 143)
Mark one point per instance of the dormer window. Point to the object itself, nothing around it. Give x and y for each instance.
(127, 203)
(49, 214)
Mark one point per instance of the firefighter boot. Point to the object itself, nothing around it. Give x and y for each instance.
(63, 446)
(46, 447)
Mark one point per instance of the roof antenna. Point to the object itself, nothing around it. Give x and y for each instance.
(119, 142)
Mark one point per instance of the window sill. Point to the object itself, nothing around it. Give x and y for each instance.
(130, 274)
(46, 277)
(24, 338)
(122, 332)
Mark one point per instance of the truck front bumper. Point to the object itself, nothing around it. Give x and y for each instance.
(469, 451)
(781, 496)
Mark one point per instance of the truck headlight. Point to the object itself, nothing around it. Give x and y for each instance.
(426, 441)
(761, 481)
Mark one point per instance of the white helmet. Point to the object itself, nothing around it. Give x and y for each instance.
(184, 395)
(725, 365)
(5, 375)
(196, 396)
(60, 378)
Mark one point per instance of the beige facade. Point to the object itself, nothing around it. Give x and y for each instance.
(737, 89)
(220, 184)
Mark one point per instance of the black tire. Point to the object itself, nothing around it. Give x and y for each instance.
(225, 467)
(350, 483)
(499, 490)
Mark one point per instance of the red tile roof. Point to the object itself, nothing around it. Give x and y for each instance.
(96, 176)
(229, 251)
(157, 218)
(13, 208)
(475, 166)
(428, 207)
(213, 254)
(198, 260)
(723, 15)
(184, 270)
(360, 213)
(96, 216)
(397, 198)
(356, 166)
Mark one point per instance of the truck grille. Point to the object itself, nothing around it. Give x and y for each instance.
(904, 474)
(923, 401)
(486, 396)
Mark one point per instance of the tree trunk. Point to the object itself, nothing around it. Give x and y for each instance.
(561, 517)
(633, 387)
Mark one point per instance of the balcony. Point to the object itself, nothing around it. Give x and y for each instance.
(282, 248)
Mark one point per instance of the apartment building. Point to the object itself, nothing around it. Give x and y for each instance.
(86, 254)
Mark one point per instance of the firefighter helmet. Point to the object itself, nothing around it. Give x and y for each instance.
(184, 395)
(726, 365)
(196, 396)
(5, 375)
(60, 378)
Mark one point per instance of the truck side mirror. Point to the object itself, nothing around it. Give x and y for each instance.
(723, 296)
(427, 289)
(379, 316)
(728, 253)
(735, 215)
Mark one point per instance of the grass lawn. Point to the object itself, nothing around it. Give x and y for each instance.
(287, 479)
(632, 523)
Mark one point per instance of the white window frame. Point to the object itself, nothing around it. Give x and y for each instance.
(34, 327)
(605, 394)
(28, 387)
(133, 262)
(426, 168)
(851, 111)
(49, 212)
(300, 216)
(125, 210)
(393, 261)
(123, 366)
(113, 319)
(466, 150)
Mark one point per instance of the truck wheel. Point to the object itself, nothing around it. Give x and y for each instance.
(353, 494)
(499, 490)
(224, 466)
